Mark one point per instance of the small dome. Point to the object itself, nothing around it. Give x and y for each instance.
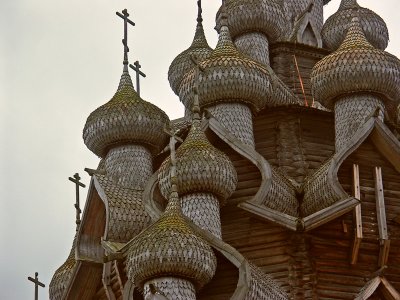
(226, 78)
(336, 26)
(200, 167)
(170, 248)
(356, 67)
(266, 16)
(126, 118)
(62, 277)
(183, 62)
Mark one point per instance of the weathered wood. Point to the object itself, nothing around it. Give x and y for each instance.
(330, 213)
(381, 218)
(388, 290)
(271, 215)
(369, 289)
(357, 216)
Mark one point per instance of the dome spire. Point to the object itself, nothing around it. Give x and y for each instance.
(125, 80)
(355, 37)
(347, 4)
(225, 46)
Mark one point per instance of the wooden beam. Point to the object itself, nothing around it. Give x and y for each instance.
(397, 219)
(357, 216)
(273, 216)
(106, 279)
(381, 218)
(330, 213)
(369, 289)
(119, 277)
(388, 290)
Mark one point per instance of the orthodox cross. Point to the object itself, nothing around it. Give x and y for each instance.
(125, 16)
(136, 67)
(200, 11)
(76, 179)
(37, 284)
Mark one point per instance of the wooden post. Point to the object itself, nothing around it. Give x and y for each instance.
(381, 217)
(357, 216)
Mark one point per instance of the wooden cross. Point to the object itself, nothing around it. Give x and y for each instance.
(136, 67)
(199, 12)
(125, 16)
(78, 184)
(37, 284)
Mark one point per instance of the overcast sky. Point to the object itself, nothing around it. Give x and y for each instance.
(60, 60)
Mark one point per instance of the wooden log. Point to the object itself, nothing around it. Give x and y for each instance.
(381, 218)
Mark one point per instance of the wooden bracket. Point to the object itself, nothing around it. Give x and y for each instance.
(381, 216)
(357, 216)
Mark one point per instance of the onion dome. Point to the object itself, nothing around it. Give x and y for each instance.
(126, 118)
(335, 27)
(170, 248)
(265, 16)
(183, 63)
(356, 67)
(200, 166)
(228, 77)
(62, 277)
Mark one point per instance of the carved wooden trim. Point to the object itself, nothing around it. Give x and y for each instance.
(148, 197)
(273, 216)
(330, 213)
(387, 289)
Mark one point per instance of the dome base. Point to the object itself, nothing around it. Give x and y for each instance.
(203, 210)
(237, 119)
(351, 113)
(130, 166)
(254, 45)
(170, 288)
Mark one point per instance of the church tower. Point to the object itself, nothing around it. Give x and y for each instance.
(281, 181)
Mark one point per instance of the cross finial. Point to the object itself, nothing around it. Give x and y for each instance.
(76, 179)
(37, 284)
(196, 104)
(199, 12)
(125, 16)
(136, 67)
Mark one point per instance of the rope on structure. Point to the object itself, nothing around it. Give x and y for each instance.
(301, 80)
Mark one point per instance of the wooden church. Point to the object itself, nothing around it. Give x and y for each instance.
(280, 182)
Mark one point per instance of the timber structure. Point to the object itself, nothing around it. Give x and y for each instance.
(280, 182)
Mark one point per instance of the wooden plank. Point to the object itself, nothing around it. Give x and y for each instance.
(381, 218)
(357, 216)
(330, 213)
(369, 289)
(388, 290)
(271, 215)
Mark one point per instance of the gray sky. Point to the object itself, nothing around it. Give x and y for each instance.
(60, 60)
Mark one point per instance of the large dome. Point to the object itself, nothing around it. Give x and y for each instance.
(200, 167)
(226, 78)
(266, 16)
(183, 62)
(356, 66)
(336, 26)
(126, 118)
(170, 248)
